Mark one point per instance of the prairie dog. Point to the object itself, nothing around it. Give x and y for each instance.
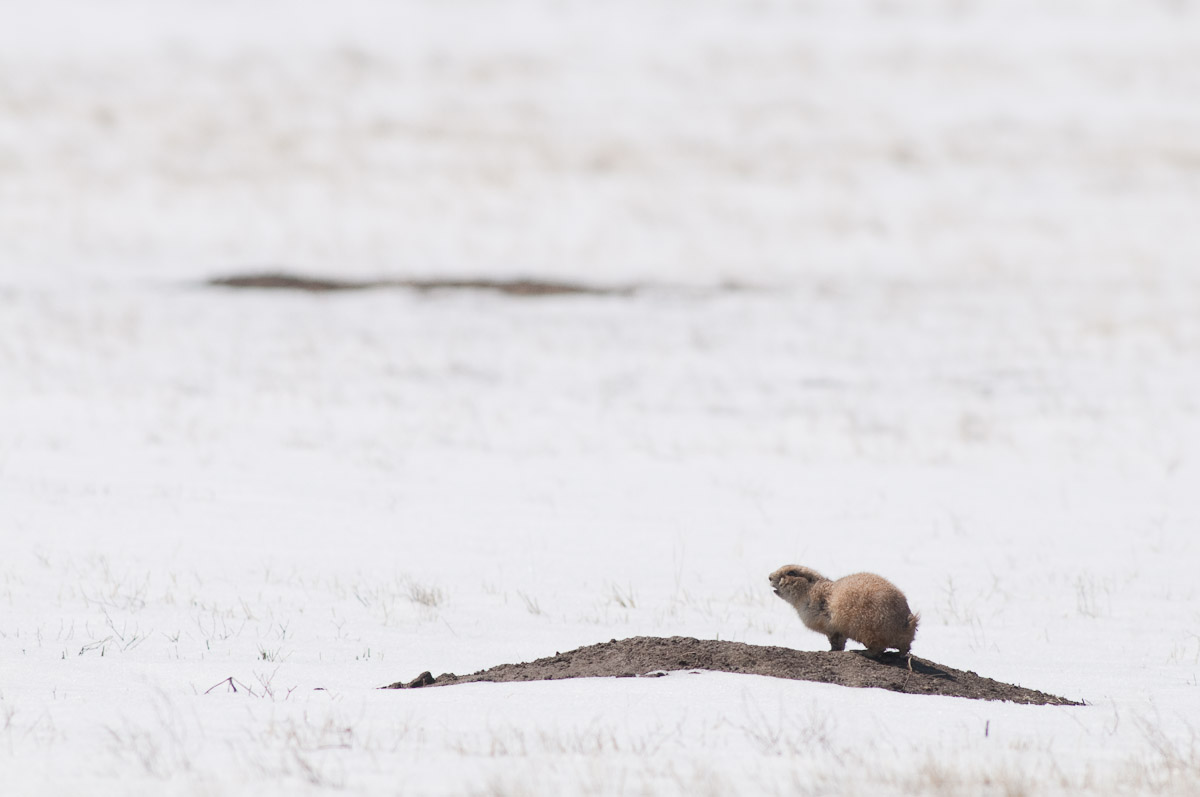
(864, 607)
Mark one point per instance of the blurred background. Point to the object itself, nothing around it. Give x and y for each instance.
(962, 353)
(681, 142)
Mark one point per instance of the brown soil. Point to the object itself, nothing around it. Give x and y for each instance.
(512, 287)
(641, 657)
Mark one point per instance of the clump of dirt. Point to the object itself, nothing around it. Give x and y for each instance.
(510, 287)
(654, 656)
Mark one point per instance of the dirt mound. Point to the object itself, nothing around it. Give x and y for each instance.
(654, 656)
(278, 280)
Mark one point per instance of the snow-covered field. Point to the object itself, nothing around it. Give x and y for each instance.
(964, 353)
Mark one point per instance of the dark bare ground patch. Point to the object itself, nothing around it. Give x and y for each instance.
(510, 287)
(651, 656)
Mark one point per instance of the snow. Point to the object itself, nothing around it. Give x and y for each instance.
(964, 356)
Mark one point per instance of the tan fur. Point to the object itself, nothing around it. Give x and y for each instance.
(864, 607)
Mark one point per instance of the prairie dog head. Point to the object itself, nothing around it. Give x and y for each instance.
(792, 583)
